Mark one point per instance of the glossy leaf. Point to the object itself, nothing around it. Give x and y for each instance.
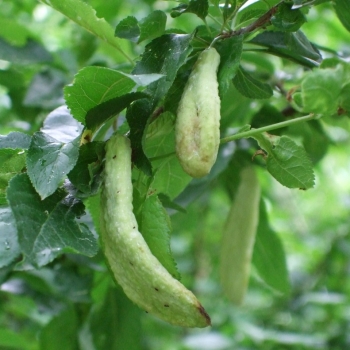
(128, 28)
(288, 19)
(152, 26)
(14, 140)
(42, 234)
(198, 7)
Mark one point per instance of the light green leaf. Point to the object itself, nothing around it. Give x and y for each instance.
(286, 161)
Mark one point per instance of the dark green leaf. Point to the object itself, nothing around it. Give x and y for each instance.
(49, 161)
(342, 8)
(267, 115)
(152, 26)
(137, 116)
(287, 19)
(93, 86)
(128, 28)
(155, 226)
(287, 162)
(15, 140)
(229, 9)
(31, 53)
(42, 233)
(198, 7)
(9, 247)
(251, 87)
(61, 332)
(230, 55)
(164, 55)
(100, 114)
(268, 256)
(88, 166)
(168, 203)
(293, 46)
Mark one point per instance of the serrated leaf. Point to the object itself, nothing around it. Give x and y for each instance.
(93, 86)
(288, 19)
(287, 162)
(152, 26)
(14, 140)
(109, 109)
(84, 15)
(230, 55)
(251, 87)
(320, 90)
(87, 166)
(49, 161)
(198, 7)
(137, 116)
(42, 234)
(156, 228)
(342, 9)
(9, 247)
(268, 256)
(293, 46)
(164, 55)
(128, 28)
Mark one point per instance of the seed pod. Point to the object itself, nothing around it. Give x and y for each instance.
(143, 278)
(197, 126)
(239, 237)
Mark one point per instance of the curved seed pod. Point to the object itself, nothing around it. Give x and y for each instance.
(239, 237)
(143, 278)
(197, 126)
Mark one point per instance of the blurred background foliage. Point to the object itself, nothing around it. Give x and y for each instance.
(72, 301)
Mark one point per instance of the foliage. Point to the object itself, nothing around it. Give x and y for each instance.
(65, 87)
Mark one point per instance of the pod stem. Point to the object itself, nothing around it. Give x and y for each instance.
(253, 132)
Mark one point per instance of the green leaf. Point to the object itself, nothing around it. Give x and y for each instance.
(230, 52)
(13, 32)
(251, 87)
(152, 26)
(88, 166)
(49, 161)
(268, 256)
(342, 9)
(128, 28)
(94, 85)
(198, 7)
(9, 247)
(61, 332)
(14, 140)
(109, 109)
(84, 15)
(11, 339)
(164, 55)
(93, 206)
(137, 116)
(293, 46)
(286, 19)
(42, 233)
(287, 162)
(155, 226)
(321, 90)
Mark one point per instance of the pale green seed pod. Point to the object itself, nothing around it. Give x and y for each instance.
(143, 278)
(197, 126)
(239, 237)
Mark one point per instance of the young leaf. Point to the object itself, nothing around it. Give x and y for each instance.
(152, 26)
(342, 8)
(268, 256)
(156, 228)
(9, 247)
(287, 162)
(94, 85)
(230, 52)
(251, 87)
(14, 140)
(164, 55)
(293, 46)
(42, 234)
(198, 7)
(128, 28)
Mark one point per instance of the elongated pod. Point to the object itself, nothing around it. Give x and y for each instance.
(143, 278)
(239, 237)
(197, 126)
